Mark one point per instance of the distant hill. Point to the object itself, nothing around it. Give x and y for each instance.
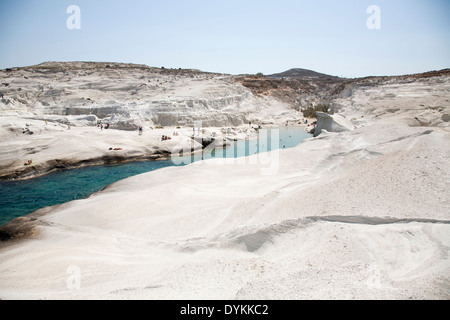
(304, 74)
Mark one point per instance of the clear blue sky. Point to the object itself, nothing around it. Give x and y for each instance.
(232, 36)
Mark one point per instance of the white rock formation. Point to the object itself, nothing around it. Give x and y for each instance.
(331, 123)
(359, 214)
(129, 96)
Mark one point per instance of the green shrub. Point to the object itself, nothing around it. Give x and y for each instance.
(310, 112)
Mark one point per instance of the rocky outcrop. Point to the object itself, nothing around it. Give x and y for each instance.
(331, 123)
(128, 96)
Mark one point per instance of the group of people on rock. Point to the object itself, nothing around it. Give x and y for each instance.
(164, 138)
(101, 126)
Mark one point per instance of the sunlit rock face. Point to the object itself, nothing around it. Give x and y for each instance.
(128, 96)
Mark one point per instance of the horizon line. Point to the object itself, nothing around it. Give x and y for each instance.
(216, 72)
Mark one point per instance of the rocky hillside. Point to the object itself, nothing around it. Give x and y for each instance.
(304, 74)
(417, 99)
(129, 95)
(303, 89)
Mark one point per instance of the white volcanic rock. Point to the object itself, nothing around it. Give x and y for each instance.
(129, 96)
(359, 214)
(331, 123)
(415, 101)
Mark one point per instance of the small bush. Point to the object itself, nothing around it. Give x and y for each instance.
(311, 111)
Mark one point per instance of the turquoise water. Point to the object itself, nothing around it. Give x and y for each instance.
(19, 198)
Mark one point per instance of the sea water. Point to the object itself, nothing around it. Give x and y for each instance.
(19, 198)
